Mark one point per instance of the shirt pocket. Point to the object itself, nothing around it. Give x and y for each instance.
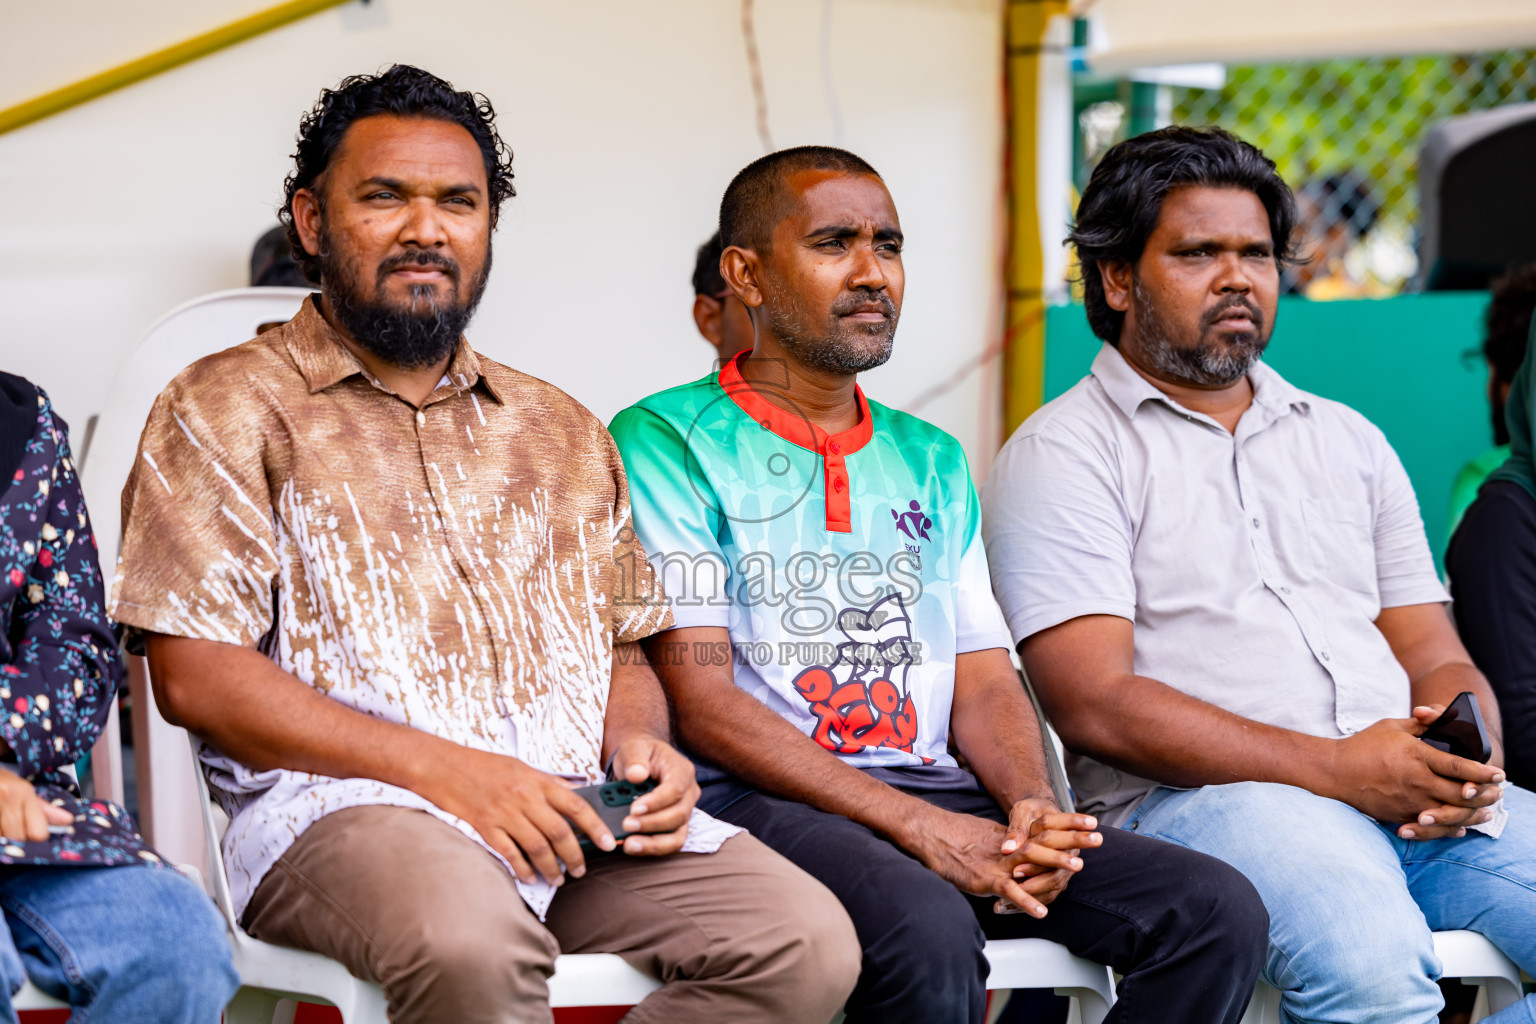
(1341, 542)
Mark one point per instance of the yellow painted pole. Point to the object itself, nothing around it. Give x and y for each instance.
(1024, 342)
(86, 89)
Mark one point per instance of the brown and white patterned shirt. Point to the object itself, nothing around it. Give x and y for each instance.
(465, 568)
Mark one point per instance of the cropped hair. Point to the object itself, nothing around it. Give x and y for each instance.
(754, 199)
(1124, 199)
(706, 268)
(403, 91)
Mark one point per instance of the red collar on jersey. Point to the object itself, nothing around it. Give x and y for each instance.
(798, 430)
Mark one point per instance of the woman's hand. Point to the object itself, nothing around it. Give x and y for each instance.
(25, 816)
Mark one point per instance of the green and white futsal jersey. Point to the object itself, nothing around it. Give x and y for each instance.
(848, 568)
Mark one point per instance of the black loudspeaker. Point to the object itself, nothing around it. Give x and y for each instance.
(1477, 188)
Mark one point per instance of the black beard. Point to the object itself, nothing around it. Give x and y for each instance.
(842, 347)
(1207, 363)
(421, 333)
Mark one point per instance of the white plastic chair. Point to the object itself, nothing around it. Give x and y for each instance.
(193, 330)
(1036, 963)
(1465, 956)
(30, 997)
(1472, 959)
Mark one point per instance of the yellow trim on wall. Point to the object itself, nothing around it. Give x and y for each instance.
(1024, 342)
(87, 89)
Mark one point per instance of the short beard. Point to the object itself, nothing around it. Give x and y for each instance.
(1208, 362)
(841, 346)
(423, 332)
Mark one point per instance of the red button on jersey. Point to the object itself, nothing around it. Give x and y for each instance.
(837, 485)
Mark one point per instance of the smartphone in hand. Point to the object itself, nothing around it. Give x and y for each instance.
(1460, 730)
(611, 801)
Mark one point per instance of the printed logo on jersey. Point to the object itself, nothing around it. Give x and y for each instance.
(914, 525)
(861, 699)
(913, 522)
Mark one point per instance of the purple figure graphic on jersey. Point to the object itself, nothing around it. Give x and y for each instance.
(914, 524)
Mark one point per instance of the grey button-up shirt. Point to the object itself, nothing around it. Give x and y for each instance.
(1254, 564)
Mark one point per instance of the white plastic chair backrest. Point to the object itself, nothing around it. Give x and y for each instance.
(168, 803)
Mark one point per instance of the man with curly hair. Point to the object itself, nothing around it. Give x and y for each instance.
(1221, 586)
(392, 586)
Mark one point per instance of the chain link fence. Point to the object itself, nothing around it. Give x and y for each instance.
(1345, 134)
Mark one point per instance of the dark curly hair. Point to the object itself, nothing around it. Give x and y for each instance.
(1124, 198)
(404, 91)
(1506, 331)
(1507, 323)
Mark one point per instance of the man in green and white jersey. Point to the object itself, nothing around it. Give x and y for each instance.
(758, 535)
(837, 644)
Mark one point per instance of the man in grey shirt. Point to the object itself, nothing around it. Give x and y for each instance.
(1221, 587)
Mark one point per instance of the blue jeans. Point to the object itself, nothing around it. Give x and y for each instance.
(1351, 906)
(125, 945)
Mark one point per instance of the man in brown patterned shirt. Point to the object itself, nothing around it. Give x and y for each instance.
(393, 586)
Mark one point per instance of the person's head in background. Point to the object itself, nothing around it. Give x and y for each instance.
(812, 246)
(720, 315)
(273, 266)
(1336, 211)
(272, 262)
(396, 186)
(1506, 331)
(1181, 234)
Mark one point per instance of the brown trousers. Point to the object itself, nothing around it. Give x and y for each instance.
(400, 898)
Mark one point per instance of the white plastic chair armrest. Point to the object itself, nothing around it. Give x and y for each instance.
(1037, 963)
(1471, 958)
(32, 998)
(598, 979)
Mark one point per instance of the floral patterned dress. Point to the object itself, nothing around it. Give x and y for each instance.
(59, 663)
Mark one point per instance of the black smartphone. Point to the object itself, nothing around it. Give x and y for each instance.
(1460, 730)
(611, 801)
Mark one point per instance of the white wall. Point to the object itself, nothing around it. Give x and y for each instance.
(627, 118)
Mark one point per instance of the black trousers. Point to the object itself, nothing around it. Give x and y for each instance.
(1187, 932)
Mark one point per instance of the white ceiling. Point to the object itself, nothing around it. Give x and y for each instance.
(1138, 33)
